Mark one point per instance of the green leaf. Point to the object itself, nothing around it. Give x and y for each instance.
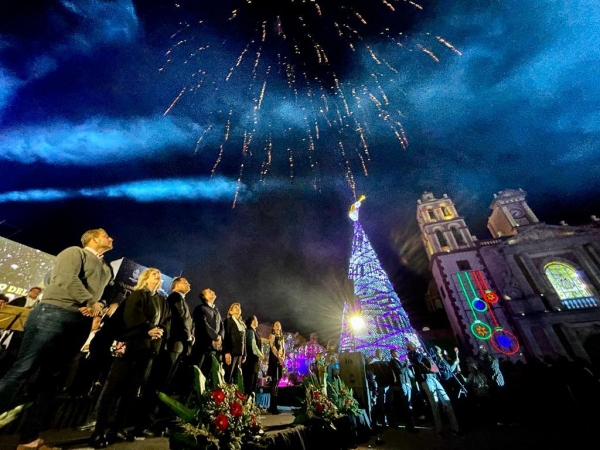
(8, 416)
(186, 414)
(300, 417)
(216, 378)
(199, 383)
(179, 440)
(239, 379)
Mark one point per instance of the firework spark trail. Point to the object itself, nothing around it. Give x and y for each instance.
(199, 141)
(174, 101)
(262, 96)
(448, 44)
(266, 165)
(349, 176)
(430, 53)
(238, 186)
(237, 63)
(291, 161)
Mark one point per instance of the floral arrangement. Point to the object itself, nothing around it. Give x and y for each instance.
(343, 398)
(222, 417)
(316, 406)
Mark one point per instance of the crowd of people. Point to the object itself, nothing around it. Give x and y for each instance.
(456, 396)
(133, 349)
(122, 354)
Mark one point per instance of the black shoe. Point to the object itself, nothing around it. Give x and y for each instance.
(120, 436)
(98, 441)
(145, 433)
(86, 426)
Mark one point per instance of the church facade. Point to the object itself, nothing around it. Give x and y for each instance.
(533, 289)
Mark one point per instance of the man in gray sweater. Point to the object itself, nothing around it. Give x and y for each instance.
(57, 328)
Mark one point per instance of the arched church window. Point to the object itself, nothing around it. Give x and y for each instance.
(441, 238)
(460, 240)
(566, 281)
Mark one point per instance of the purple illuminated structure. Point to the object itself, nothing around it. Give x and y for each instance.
(376, 307)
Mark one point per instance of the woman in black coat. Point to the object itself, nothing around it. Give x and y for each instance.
(234, 343)
(251, 367)
(146, 317)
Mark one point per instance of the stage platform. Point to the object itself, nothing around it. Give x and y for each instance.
(280, 431)
(490, 438)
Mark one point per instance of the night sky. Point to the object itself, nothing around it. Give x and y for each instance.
(226, 143)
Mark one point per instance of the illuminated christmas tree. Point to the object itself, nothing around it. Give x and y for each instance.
(377, 319)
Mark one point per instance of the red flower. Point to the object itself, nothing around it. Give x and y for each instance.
(241, 396)
(253, 422)
(221, 422)
(218, 396)
(316, 394)
(236, 409)
(319, 407)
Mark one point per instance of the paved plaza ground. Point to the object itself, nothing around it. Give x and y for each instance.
(484, 438)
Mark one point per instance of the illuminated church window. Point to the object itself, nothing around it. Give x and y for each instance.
(447, 213)
(431, 214)
(569, 286)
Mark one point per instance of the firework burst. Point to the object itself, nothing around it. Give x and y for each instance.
(299, 106)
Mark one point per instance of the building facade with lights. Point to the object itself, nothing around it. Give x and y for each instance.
(533, 289)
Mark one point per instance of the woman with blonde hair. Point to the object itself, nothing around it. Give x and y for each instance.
(146, 318)
(234, 343)
(276, 358)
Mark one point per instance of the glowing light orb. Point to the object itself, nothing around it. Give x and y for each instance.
(479, 305)
(505, 342)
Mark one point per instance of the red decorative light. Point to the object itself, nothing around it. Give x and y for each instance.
(491, 297)
(504, 341)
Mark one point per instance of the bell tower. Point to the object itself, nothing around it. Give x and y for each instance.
(442, 229)
(509, 212)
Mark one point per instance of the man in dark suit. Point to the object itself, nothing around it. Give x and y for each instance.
(209, 332)
(29, 300)
(181, 337)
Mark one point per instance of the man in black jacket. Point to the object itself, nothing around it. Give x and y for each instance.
(181, 338)
(29, 300)
(209, 332)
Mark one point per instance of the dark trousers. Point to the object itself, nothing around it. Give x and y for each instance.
(274, 391)
(401, 405)
(123, 389)
(9, 355)
(52, 338)
(231, 369)
(150, 408)
(250, 373)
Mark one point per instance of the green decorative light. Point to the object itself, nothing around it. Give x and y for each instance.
(481, 330)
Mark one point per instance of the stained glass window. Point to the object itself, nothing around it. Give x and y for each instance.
(566, 281)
